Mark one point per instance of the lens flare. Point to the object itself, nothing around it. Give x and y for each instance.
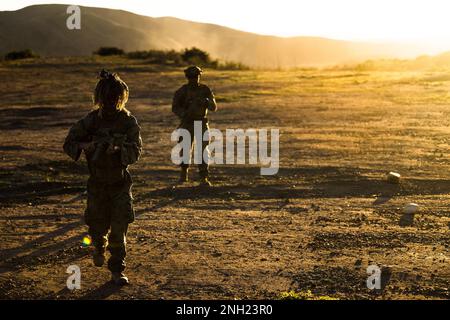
(86, 241)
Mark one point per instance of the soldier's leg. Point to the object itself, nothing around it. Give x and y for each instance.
(185, 166)
(117, 246)
(203, 168)
(98, 220)
(122, 214)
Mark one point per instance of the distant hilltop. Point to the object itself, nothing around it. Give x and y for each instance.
(42, 28)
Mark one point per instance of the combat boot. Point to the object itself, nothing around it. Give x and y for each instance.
(184, 176)
(119, 278)
(98, 257)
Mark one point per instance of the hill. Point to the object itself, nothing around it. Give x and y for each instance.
(43, 29)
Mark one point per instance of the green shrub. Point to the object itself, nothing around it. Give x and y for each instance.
(196, 56)
(192, 56)
(162, 57)
(23, 54)
(109, 51)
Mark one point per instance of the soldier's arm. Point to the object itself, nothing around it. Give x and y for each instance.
(77, 138)
(131, 149)
(178, 106)
(212, 105)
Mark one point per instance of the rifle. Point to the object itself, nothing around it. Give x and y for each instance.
(103, 139)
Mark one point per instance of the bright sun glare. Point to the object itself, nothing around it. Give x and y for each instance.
(425, 22)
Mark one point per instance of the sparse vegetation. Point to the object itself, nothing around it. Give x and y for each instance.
(21, 54)
(109, 51)
(229, 65)
(422, 63)
(198, 57)
(303, 295)
(161, 57)
(192, 56)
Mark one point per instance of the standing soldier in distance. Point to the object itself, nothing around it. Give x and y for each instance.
(110, 139)
(191, 103)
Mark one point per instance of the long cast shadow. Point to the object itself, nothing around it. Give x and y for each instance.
(326, 182)
(12, 258)
(104, 291)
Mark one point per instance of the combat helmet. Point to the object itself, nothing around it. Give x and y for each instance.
(192, 71)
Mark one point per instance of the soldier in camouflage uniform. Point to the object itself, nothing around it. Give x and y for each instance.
(191, 103)
(111, 141)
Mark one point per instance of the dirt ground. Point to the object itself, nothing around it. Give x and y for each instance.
(316, 225)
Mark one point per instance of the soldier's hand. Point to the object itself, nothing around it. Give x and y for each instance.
(208, 103)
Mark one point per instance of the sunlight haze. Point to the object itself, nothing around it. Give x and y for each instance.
(415, 21)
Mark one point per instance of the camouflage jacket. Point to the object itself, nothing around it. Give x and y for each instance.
(193, 102)
(123, 131)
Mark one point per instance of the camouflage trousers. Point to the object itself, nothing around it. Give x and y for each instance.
(109, 212)
(203, 168)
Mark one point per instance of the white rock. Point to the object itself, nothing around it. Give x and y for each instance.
(393, 177)
(411, 208)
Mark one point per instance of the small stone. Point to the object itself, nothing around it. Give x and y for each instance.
(393, 177)
(411, 208)
(216, 254)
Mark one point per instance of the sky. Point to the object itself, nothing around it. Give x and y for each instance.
(416, 21)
